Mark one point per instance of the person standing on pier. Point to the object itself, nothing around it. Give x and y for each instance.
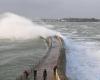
(55, 69)
(35, 74)
(26, 73)
(44, 74)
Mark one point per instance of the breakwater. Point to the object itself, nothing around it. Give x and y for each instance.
(61, 66)
(53, 63)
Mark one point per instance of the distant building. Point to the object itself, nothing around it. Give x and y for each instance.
(72, 20)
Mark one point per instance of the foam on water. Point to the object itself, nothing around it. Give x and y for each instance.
(14, 27)
(83, 60)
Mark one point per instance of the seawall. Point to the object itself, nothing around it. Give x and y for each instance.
(61, 66)
(54, 62)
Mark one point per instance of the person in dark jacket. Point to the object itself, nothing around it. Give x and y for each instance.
(35, 74)
(54, 69)
(44, 74)
(26, 74)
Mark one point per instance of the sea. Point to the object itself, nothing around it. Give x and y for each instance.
(21, 46)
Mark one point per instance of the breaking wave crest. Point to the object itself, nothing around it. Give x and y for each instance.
(16, 27)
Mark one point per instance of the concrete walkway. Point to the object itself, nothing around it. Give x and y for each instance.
(49, 62)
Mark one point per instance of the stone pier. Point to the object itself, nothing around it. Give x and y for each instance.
(53, 63)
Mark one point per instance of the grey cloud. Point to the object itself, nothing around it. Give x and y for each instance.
(52, 8)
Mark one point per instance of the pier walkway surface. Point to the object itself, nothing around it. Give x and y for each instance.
(49, 62)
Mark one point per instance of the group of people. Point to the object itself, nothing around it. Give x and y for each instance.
(26, 74)
(49, 43)
(44, 74)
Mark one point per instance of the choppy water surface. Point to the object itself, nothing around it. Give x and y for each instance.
(21, 47)
(17, 56)
(83, 49)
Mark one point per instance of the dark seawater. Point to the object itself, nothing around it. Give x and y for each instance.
(20, 45)
(16, 56)
(82, 57)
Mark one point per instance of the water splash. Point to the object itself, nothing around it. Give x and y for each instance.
(83, 60)
(16, 27)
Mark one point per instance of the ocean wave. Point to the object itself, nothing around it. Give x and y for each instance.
(16, 27)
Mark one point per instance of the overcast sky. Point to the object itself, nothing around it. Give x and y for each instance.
(52, 8)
